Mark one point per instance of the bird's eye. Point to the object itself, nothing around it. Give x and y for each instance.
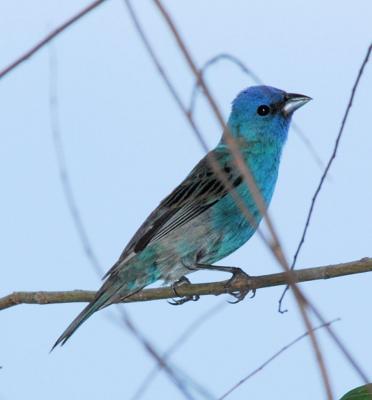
(263, 110)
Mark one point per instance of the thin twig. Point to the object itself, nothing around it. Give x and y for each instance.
(341, 346)
(274, 356)
(179, 382)
(186, 334)
(275, 245)
(50, 36)
(202, 289)
(212, 61)
(325, 173)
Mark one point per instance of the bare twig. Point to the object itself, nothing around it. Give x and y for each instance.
(274, 245)
(174, 377)
(341, 346)
(190, 330)
(273, 357)
(325, 173)
(212, 61)
(202, 289)
(51, 35)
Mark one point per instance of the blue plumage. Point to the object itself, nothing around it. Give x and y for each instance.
(199, 222)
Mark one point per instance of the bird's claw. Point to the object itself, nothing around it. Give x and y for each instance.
(240, 294)
(182, 299)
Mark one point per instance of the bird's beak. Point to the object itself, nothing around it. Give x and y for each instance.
(293, 101)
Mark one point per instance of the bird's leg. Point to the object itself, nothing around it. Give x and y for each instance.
(177, 302)
(237, 274)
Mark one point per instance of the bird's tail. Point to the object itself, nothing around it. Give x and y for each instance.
(102, 299)
(131, 281)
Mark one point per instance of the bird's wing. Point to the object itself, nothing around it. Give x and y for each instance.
(199, 191)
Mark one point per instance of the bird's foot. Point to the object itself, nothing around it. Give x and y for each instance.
(181, 299)
(242, 279)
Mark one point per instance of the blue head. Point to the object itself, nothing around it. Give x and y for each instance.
(263, 113)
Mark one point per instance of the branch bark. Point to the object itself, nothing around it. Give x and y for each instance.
(201, 289)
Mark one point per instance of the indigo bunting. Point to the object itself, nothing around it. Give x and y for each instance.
(200, 223)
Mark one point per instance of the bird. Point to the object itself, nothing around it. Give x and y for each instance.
(200, 222)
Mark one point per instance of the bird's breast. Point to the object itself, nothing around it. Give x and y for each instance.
(228, 217)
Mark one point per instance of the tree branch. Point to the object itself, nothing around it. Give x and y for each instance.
(201, 289)
(51, 35)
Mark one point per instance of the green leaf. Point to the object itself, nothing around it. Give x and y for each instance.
(360, 393)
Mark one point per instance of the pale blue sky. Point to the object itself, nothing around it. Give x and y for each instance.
(127, 145)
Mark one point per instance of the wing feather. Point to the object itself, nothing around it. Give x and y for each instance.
(200, 190)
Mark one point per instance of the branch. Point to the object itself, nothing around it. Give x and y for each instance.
(51, 35)
(201, 289)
